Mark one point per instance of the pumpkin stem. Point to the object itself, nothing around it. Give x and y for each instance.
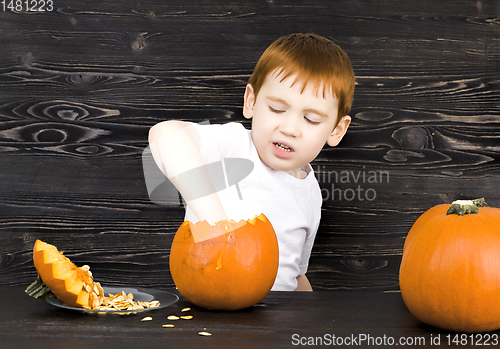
(463, 207)
(39, 290)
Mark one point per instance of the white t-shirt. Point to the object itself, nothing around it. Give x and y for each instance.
(292, 205)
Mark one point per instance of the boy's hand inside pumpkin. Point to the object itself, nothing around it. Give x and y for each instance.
(204, 231)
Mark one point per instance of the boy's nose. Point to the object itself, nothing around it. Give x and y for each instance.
(290, 126)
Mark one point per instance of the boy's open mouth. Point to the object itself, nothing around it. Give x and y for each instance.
(282, 146)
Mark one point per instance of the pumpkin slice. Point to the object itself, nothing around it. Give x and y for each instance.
(72, 285)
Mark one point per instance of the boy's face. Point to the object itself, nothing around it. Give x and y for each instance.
(289, 128)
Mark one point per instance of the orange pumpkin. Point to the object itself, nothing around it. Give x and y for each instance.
(450, 270)
(68, 282)
(228, 272)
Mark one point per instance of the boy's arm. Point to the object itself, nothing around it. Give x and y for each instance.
(303, 284)
(175, 146)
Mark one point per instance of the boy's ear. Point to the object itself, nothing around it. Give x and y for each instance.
(248, 102)
(339, 131)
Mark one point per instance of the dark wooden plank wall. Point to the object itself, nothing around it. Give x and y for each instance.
(81, 86)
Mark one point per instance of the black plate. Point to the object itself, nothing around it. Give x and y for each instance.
(140, 294)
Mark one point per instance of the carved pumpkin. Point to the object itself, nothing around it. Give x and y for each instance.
(450, 271)
(230, 271)
(72, 285)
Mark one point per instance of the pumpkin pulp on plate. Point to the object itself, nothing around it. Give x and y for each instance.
(70, 284)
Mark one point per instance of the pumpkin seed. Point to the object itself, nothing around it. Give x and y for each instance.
(168, 325)
(172, 317)
(185, 309)
(121, 301)
(203, 333)
(188, 317)
(147, 318)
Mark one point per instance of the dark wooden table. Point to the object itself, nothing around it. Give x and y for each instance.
(281, 320)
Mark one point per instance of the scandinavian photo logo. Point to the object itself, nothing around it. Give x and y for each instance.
(349, 185)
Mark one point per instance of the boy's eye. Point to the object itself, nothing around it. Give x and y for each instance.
(277, 111)
(312, 122)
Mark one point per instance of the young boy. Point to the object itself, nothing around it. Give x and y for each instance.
(298, 98)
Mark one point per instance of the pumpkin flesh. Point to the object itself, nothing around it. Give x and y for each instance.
(62, 276)
(230, 271)
(450, 271)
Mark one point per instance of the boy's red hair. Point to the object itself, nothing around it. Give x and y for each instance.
(313, 59)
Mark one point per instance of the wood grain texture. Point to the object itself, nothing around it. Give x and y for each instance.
(81, 86)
